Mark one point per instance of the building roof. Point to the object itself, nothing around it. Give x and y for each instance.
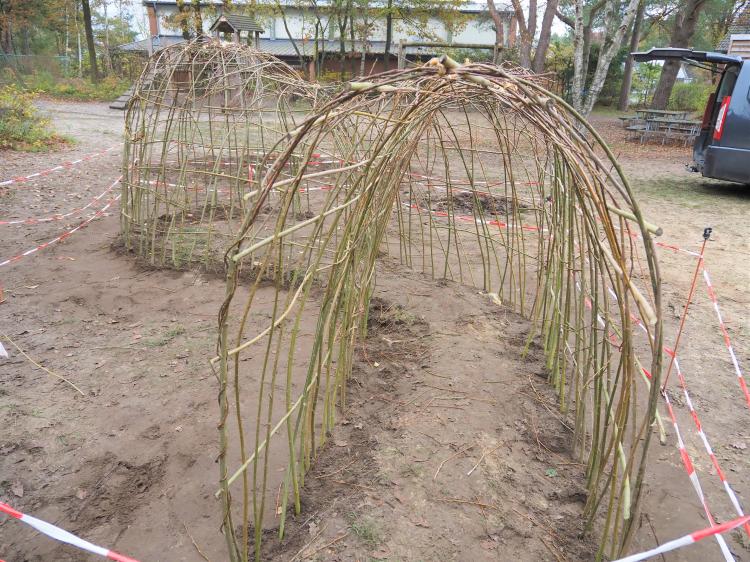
(284, 47)
(232, 23)
(159, 43)
(740, 25)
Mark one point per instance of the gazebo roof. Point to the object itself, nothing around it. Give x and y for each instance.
(233, 23)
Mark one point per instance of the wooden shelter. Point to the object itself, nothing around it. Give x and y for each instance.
(235, 24)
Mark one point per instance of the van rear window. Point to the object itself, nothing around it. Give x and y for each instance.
(727, 83)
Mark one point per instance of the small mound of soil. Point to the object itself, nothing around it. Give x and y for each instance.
(482, 203)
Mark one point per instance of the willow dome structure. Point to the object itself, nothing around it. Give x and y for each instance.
(202, 116)
(469, 173)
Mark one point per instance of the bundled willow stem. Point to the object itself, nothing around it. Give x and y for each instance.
(472, 173)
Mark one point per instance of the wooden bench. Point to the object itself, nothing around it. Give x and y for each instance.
(628, 120)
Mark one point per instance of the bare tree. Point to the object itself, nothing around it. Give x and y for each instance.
(682, 33)
(498, 22)
(526, 31)
(589, 14)
(627, 77)
(617, 21)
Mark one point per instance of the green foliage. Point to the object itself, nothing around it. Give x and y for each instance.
(691, 96)
(474, 55)
(20, 126)
(79, 89)
(611, 91)
(645, 77)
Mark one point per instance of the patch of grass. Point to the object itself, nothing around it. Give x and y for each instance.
(165, 338)
(365, 529)
(20, 126)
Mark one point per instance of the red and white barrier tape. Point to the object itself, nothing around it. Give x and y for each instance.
(686, 540)
(727, 341)
(57, 217)
(689, 468)
(63, 236)
(704, 439)
(63, 166)
(62, 535)
(693, 476)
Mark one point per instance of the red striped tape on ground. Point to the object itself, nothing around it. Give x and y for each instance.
(62, 236)
(687, 539)
(57, 217)
(62, 535)
(59, 167)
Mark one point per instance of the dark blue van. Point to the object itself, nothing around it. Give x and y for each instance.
(722, 149)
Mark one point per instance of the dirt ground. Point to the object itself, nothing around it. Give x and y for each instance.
(450, 449)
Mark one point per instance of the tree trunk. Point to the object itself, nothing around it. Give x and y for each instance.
(498, 21)
(107, 54)
(342, 45)
(526, 30)
(627, 78)
(353, 50)
(579, 76)
(607, 53)
(90, 39)
(289, 35)
(682, 33)
(388, 35)
(545, 35)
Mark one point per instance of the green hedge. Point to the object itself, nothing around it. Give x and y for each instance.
(20, 126)
(690, 96)
(81, 89)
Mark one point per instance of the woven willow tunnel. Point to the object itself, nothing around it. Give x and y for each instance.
(202, 116)
(471, 173)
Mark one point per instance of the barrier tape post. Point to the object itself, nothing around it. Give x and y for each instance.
(706, 235)
(62, 535)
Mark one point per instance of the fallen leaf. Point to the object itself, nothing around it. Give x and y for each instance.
(341, 443)
(740, 446)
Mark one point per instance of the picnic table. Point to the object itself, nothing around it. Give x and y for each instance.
(672, 126)
(664, 113)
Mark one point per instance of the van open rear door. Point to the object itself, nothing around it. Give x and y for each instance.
(674, 53)
(722, 149)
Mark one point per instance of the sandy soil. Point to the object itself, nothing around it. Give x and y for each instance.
(439, 392)
(684, 203)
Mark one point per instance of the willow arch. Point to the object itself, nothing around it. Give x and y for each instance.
(467, 172)
(202, 115)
